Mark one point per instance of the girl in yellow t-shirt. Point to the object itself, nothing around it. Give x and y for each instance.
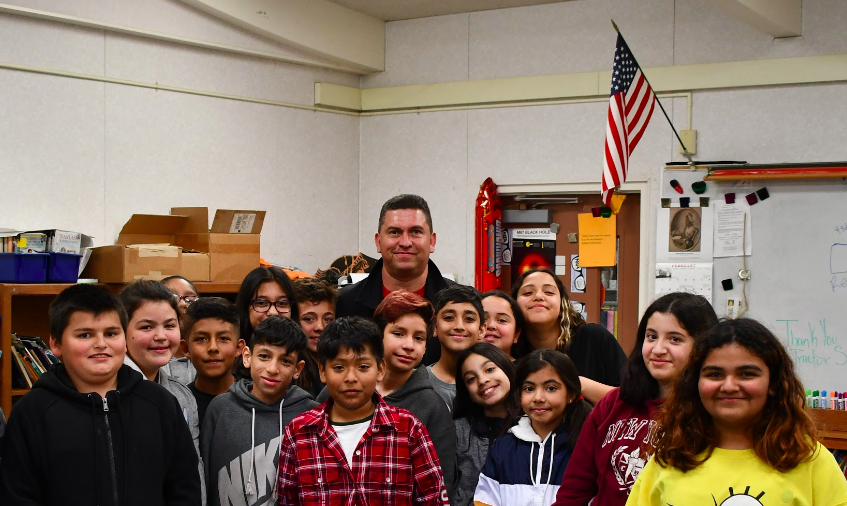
(736, 432)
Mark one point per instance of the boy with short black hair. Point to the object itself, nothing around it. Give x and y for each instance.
(316, 300)
(212, 343)
(355, 447)
(459, 322)
(249, 419)
(91, 431)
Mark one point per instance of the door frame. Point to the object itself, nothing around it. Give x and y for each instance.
(644, 188)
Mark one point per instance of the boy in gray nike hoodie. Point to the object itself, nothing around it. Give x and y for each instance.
(239, 440)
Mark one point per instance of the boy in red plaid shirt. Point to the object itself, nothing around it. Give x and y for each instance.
(355, 449)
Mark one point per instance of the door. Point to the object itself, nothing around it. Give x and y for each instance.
(611, 293)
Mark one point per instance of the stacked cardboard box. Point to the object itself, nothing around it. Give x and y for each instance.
(156, 246)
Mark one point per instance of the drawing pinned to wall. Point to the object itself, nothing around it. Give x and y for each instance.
(685, 229)
(691, 278)
(577, 275)
(684, 234)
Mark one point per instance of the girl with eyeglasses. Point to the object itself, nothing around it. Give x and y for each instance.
(265, 291)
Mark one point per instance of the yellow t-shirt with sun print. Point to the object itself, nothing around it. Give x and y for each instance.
(739, 478)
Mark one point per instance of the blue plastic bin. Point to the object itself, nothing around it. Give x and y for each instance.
(10, 267)
(23, 267)
(63, 268)
(33, 267)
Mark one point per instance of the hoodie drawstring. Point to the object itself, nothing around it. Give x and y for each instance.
(249, 488)
(531, 474)
(541, 465)
(550, 469)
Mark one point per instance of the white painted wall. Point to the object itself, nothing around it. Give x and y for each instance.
(85, 155)
(445, 156)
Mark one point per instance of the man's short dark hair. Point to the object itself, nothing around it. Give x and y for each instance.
(458, 294)
(279, 331)
(405, 201)
(217, 308)
(352, 332)
(82, 298)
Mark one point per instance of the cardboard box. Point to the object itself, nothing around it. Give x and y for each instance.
(232, 241)
(125, 264)
(143, 251)
(151, 247)
(195, 266)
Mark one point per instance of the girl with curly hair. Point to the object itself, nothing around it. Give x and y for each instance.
(550, 322)
(735, 430)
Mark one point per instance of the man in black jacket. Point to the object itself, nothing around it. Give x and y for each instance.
(405, 239)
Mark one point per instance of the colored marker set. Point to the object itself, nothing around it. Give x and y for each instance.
(820, 400)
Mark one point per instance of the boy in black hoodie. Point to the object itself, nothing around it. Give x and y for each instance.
(243, 426)
(91, 431)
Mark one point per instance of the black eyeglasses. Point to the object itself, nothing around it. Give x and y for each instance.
(282, 306)
(188, 299)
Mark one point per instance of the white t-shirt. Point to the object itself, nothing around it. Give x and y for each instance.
(349, 435)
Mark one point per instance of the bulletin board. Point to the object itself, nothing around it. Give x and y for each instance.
(797, 260)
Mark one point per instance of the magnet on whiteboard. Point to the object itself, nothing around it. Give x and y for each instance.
(744, 274)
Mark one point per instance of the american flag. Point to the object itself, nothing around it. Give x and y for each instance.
(631, 104)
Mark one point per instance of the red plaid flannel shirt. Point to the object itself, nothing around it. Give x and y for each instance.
(394, 463)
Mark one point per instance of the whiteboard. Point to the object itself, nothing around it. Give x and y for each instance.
(798, 266)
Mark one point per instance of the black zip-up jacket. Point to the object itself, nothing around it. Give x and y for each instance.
(362, 298)
(68, 448)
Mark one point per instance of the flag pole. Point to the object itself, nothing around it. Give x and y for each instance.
(684, 149)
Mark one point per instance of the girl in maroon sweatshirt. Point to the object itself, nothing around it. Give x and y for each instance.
(611, 449)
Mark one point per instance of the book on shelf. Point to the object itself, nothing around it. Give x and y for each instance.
(32, 357)
(26, 380)
(37, 347)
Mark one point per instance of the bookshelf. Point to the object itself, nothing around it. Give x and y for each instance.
(23, 309)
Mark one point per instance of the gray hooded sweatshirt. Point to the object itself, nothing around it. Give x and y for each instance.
(239, 442)
(189, 409)
(418, 397)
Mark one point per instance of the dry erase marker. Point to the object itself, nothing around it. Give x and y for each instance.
(815, 398)
(832, 400)
(822, 400)
(808, 398)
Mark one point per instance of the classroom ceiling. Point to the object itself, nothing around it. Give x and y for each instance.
(393, 10)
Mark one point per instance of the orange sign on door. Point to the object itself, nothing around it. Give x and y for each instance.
(597, 241)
